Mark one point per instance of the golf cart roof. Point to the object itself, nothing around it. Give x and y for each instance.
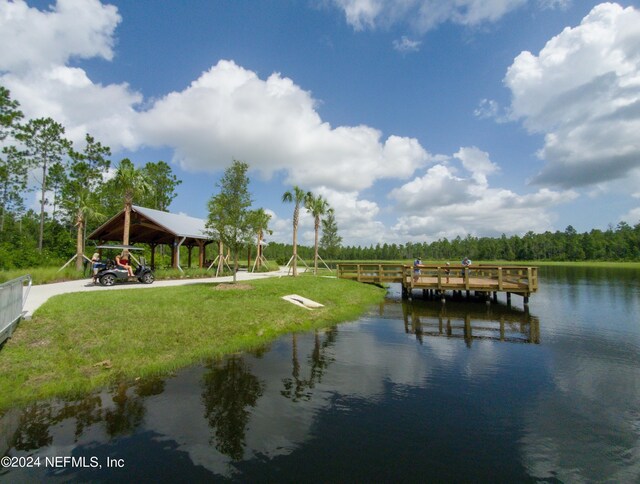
(119, 247)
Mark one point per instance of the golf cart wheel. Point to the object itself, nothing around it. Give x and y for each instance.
(147, 278)
(107, 280)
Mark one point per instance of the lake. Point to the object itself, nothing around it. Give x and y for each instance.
(413, 391)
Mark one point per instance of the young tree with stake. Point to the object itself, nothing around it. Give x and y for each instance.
(229, 218)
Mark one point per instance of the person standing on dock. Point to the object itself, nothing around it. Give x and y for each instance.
(447, 271)
(416, 269)
(466, 264)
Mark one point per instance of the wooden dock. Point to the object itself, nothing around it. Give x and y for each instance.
(435, 280)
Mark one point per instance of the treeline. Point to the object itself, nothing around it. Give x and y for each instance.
(620, 243)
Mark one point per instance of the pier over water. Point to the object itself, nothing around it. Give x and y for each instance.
(436, 279)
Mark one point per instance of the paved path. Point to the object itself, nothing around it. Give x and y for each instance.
(39, 294)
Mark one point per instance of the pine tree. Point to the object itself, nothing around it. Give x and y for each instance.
(330, 241)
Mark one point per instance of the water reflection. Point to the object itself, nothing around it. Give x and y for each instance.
(466, 320)
(297, 388)
(119, 411)
(230, 390)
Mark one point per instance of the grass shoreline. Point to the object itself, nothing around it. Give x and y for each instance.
(76, 343)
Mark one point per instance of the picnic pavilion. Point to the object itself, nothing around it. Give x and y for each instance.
(154, 227)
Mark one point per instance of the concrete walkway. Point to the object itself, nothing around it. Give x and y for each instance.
(39, 294)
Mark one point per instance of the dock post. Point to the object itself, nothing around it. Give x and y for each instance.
(468, 294)
(468, 330)
(495, 296)
(405, 294)
(508, 299)
(526, 300)
(425, 294)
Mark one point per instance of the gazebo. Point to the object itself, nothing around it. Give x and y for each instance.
(154, 227)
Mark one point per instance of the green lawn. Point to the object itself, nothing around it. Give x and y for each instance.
(78, 342)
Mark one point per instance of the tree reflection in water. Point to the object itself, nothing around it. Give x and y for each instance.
(37, 420)
(33, 431)
(298, 389)
(230, 390)
(127, 412)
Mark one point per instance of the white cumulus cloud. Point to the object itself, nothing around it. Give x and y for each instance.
(582, 91)
(477, 162)
(356, 217)
(448, 201)
(230, 112)
(43, 39)
(34, 68)
(438, 187)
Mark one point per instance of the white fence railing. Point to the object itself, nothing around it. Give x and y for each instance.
(12, 298)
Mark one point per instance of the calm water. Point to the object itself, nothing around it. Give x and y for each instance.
(411, 392)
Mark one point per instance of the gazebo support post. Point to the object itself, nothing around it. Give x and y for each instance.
(176, 261)
(153, 255)
(201, 253)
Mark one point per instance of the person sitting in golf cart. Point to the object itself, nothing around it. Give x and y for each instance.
(123, 262)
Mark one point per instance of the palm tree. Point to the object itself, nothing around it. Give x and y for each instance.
(260, 222)
(132, 182)
(85, 205)
(316, 206)
(298, 197)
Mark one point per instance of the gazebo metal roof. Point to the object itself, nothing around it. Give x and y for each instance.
(153, 227)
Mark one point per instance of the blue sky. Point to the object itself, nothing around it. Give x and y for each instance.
(416, 119)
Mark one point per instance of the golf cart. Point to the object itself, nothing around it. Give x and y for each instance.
(107, 272)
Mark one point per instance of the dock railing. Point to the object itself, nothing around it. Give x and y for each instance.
(12, 299)
(375, 273)
(524, 276)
